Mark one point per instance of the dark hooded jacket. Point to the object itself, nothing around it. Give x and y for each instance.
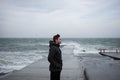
(55, 57)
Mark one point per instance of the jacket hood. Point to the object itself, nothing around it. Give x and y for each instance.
(52, 43)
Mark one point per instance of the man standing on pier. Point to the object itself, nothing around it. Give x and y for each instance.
(55, 58)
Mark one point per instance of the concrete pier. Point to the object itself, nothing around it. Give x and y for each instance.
(40, 70)
(113, 55)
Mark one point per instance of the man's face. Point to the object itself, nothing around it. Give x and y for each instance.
(58, 41)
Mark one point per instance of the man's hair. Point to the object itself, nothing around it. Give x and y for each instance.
(56, 37)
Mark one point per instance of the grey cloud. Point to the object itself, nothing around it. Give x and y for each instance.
(71, 18)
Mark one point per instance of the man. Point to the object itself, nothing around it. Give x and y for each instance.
(55, 58)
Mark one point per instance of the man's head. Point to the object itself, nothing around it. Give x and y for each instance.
(57, 39)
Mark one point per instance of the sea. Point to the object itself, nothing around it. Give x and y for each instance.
(17, 53)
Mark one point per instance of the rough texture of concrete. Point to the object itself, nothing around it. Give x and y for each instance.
(98, 67)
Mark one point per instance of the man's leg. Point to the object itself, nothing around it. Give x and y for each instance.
(55, 75)
(58, 75)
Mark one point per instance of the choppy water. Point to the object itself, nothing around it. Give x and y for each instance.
(16, 53)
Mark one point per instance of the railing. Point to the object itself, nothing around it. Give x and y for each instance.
(115, 50)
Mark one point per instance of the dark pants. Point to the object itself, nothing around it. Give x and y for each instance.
(55, 75)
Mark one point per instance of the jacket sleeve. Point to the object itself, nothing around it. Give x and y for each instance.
(51, 57)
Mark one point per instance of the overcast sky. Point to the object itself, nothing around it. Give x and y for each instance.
(70, 18)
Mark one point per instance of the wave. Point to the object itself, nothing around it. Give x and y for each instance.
(82, 49)
(10, 61)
